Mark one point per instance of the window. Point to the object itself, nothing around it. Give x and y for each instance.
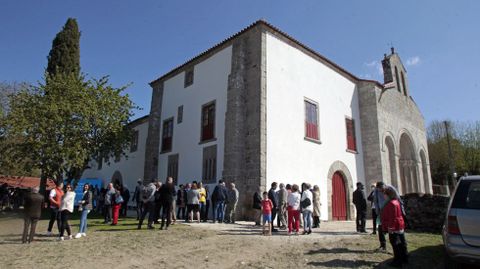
(397, 79)
(467, 195)
(208, 122)
(403, 84)
(311, 120)
(172, 168)
(180, 114)
(167, 134)
(351, 141)
(209, 165)
(188, 78)
(134, 142)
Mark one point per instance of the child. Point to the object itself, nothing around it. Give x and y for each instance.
(267, 214)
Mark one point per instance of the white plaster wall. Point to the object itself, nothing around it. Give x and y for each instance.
(292, 76)
(210, 83)
(130, 168)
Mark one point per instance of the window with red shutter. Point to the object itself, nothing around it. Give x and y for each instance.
(208, 122)
(351, 140)
(167, 135)
(311, 120)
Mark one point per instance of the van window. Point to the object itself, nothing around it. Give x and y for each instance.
(473, 197)
(467, 195)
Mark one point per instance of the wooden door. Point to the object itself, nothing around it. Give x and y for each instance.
(339, 197)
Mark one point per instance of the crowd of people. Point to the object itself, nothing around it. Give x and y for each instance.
(165, 205)
(292, 207)
(61, 203)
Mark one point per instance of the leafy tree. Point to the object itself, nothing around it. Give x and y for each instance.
(9, 163)
(465, 144)
(58, 126)
(62, 130)
(64, 57)
(7, 89)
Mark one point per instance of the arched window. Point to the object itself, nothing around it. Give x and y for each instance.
(403, 84)
(397, 79)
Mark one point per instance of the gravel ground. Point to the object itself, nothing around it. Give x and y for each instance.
(204, 245)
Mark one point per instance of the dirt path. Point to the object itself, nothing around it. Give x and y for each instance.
(203, 245)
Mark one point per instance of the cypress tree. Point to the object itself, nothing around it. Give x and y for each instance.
(64, 57)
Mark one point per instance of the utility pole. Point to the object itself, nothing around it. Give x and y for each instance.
(450, 156)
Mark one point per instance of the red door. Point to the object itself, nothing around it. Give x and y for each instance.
(339, 197)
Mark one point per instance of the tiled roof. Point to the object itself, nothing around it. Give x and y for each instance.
(138, 121)
(277, 31)
(24, 182)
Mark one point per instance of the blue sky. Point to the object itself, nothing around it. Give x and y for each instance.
(138, 41)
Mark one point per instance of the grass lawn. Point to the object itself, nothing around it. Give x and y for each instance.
(205, 246)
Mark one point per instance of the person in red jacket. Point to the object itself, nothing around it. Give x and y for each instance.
(394, 224)
(55, 198)
(117, 201)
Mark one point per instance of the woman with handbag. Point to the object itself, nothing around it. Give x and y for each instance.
(307, 209)
(117, 201)
(85, 205)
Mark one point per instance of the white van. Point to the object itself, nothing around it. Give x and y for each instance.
(461, 231)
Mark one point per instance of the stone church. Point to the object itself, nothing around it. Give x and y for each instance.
(261, 107)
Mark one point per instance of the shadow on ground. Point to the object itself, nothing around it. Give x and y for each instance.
(337, 251)
(335, 263)
(422, 257)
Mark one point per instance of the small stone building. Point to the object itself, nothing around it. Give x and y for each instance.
(261, 107)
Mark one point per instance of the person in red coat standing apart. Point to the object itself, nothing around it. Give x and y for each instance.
(394, 224)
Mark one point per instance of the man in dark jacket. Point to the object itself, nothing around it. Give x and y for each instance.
(257, 206)
(273, 196)
(360, 203)
(167, 194)
(126, 197)
(219, 195)
(137, 199)
(33, 211)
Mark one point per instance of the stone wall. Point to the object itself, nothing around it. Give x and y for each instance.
(367, 97)
(150, 171)
(425, 213)
(245, 119)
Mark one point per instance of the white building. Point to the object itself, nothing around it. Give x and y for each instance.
(261, 107)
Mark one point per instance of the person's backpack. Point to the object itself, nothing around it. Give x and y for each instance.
(145, 193)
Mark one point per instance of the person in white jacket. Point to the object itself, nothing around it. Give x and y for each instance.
(307, 208)
(66, 208)
(293, 208)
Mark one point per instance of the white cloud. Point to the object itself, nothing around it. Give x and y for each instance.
(413, 61)
(379, 69)
(375, 65)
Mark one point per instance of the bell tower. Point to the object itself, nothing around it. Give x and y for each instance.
(394, 73)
